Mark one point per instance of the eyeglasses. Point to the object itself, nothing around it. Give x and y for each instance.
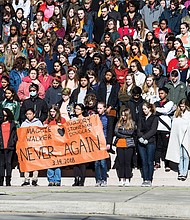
(32, 90)
(132, 66)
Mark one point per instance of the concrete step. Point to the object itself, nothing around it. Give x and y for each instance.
(161, 178)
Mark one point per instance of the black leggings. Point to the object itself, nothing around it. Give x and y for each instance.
(124, 161)
(6, 162)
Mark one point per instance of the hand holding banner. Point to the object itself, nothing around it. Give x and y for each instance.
(76, 141)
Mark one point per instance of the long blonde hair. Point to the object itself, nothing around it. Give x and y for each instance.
(179, 112)
(129, 123)
(125, 86)
(145, 87)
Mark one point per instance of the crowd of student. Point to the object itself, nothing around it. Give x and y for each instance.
(127, 61)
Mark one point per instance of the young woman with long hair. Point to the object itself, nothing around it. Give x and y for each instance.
(136, 69)
(23, 90)
(108, 93)
(111, 28)
(150, 90)
(141, 30)
(49, 56)
(178, 147)
(43, 76)
(54, 118)
(125, 28)
(125, 144)
(12, 55)
(136, 53)
(18, 72)
(24, 28)
(71, 80)
(125, 91)
(120, 69)
(146, 133)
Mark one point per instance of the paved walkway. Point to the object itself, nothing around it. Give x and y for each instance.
(129, 201)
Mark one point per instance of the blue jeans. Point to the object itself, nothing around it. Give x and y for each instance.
(101, 170)
(54, 175)
(147, 153)
(184, 162)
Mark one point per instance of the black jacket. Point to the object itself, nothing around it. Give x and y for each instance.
(12, 137)
(113, 98)
(74, 95)
(147, 128)
(81, 66)
(98, 69)
(39, 105)
(136, 108)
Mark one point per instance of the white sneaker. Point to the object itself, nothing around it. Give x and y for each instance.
(121, 183)
(98, 183)
(104, 183)
(127, 183)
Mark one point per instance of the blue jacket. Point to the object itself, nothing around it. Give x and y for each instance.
(174, 19)
(16, 78)
(89, 29)
(104, 121)
(148, 69)
(50, 63)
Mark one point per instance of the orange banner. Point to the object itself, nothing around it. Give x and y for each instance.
(76, 141)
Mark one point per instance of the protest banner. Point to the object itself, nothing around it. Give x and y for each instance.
(76, 141)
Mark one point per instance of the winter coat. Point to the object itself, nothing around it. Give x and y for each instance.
(174, 19)
(82, 64)
(147, 128)
(177, 91)
(99, 27)
(180, 135)
(89, 29)
(49, 62)
(39, 105)
(23, 90)
(98, 69)
(113, 98)
(16, 79)
(104, 120)
(122, 132)
(53, 95)
(151, 14)
(12, 138)
(148, 69)
(74, 95)
(136, 108)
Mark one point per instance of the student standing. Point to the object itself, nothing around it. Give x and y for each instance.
(101, 165)
(79, 169)
(125, 144)
(8, 138)
(178, 147)
(146, 133)
(31, 121)
(54, 117)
